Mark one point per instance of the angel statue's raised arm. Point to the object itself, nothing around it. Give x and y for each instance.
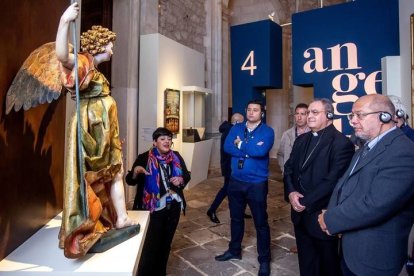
(104, 199)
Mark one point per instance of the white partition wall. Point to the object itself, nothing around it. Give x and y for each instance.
(391, 75)
(164, 64)
(406, 9)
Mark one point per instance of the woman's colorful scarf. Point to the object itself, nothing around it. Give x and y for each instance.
(153, 180)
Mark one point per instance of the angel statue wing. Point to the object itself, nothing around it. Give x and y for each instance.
(37, 81)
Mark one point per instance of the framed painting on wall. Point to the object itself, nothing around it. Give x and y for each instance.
(172, 110)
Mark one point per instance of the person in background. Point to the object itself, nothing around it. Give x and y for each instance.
(160, 175)
(249, 145)
(401, 116)
(318, 159)
(290, 135)
(372, 206)
(288, 138)
(225, 163)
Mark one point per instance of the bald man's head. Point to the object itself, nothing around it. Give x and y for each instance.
(378, 102)
(371, 116)
(237, 118)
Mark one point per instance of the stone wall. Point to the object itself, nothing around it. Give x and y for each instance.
(183, 21)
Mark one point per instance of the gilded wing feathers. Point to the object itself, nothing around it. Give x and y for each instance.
(37, 81)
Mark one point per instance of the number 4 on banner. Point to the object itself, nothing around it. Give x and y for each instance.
(250, 60)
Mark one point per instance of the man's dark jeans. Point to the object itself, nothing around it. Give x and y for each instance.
(255, 195)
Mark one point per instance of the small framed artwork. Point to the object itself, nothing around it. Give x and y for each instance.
(172, 110)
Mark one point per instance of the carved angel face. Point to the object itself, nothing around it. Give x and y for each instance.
(105, 56)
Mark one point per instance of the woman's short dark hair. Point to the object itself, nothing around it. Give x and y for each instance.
(161, 131)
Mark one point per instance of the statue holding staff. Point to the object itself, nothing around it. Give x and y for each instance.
(87, 215)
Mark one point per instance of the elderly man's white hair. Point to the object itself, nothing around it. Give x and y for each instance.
(398, 104)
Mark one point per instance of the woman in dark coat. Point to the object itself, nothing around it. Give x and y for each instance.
(160, 175)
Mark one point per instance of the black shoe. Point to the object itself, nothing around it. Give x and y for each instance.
(246, 216)
(226, 256)
(213, 217)
(264, 269)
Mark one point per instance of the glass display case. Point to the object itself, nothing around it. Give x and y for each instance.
(194, 113)
(196, 148)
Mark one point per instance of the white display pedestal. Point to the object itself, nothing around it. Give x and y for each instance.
(197, 158)
(40, 254)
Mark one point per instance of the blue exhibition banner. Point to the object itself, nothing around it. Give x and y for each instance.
(338, 51)
(256, 61)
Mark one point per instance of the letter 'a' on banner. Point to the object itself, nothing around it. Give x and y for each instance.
(256, 61)
(338, 51)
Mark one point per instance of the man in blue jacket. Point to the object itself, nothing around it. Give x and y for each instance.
(249, 145)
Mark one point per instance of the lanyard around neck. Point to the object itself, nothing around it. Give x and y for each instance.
(165, 175)
(247, 134)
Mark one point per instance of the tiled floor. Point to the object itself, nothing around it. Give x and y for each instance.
(198, 240)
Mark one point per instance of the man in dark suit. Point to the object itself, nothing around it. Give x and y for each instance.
(318, 160)
(372, 206)
(225, 164)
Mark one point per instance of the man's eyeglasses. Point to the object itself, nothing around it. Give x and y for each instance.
(314, 112)
(361, 116)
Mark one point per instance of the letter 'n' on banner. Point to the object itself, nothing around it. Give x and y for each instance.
(338, 51)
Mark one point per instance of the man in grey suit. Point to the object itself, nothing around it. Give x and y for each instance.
(372, 206)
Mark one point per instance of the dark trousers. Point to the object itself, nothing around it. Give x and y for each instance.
(221, 194)
(317, 257)
(157, 245)
(255, 195)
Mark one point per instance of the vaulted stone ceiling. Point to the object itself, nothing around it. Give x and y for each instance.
(289, 6)
(243, 11)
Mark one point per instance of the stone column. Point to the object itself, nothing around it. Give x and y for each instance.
(215, 79)
(226, 63)
(149, 16)
(125, 61)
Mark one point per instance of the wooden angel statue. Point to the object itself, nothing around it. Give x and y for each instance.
(101, 207)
